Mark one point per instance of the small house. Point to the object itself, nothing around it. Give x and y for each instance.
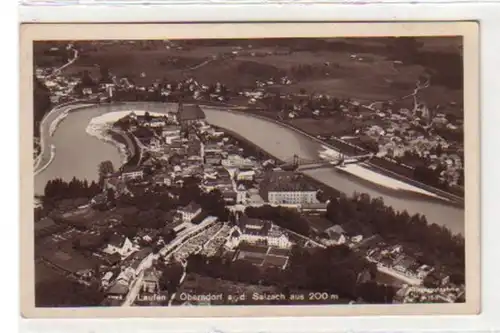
(119, 244)
(190, 211)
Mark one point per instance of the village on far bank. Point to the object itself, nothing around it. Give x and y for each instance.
(198, 211)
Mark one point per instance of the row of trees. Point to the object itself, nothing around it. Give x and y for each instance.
(434, 245)
(60, 189)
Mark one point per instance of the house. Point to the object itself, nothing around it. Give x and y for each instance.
(357, 238)
(157, 122)
(106, 279)
(404, 264)
(190, 211)
(213, 158)
(314, 207)
(236, 161)
(171, 132)
(275, 237)
(335, 238)
(212, 148)
(336, 228)
(126, 276)
(162, 179)
(87, 91)
(115, 183)
(151, 281)
(229, 196)
(132, 172)
(118, 291)
(253, 230)
(119, 244)
(112, 259)
(241, 193)
(245, 175)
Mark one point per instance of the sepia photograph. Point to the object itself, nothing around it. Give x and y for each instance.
(190, 168)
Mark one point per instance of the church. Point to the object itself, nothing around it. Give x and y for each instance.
(188, 114)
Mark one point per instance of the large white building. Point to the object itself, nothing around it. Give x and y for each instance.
(171, 132)
(129, 173)
(258, 231)
(283, 196)
(236, 161)
(241, 194)
(245, 175)
(190, 211)
(285, 187)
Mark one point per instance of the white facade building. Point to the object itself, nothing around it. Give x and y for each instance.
(245, 175)
(190, 211)
(241, 194)
(292, 197)
(257, 231)
(120, 245)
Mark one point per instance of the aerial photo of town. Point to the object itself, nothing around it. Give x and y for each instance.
(248, 172)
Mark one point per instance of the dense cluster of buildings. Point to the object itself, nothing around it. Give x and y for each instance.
(414, 133)
(180, 145)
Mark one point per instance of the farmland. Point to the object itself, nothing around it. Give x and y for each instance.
(362, 69)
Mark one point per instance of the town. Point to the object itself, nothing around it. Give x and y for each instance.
(409, 136)
(197, 215)
(197, 191)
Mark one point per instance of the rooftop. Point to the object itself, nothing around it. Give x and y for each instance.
(117, 240)
(190, 112)
(285, 181)
(151, 274)
(118, 289)
(192, 207)
(336, 228)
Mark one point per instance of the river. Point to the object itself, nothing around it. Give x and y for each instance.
(78, 154)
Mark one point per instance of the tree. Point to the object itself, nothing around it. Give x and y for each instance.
(105, 76)
(105, 169)
(110, 196)
(86, 80)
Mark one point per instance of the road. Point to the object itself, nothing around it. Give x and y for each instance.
(134, 290)
(70, 62)
(175, 244)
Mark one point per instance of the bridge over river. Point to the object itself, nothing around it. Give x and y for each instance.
(78, 154)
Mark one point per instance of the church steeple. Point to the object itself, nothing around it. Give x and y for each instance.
(180, 106)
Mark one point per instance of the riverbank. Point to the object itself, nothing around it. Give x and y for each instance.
(65, 109)
(277, 140)
(52, 156)
(101, 127)
(367, 170)
(103, 133)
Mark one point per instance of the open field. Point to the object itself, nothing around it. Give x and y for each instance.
(43, 273)
(358, 68)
